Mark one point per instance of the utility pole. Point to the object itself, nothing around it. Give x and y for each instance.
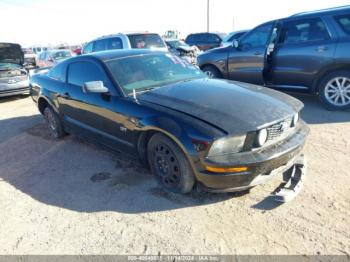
(208, 15)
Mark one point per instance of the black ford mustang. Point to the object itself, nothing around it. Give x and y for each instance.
(221, 135)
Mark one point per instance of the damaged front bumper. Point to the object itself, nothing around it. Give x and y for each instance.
(263, 165)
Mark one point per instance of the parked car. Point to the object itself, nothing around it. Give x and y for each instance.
(52, 57)
(183, 50)
(230, 37)
(77, 50)
(29, 58)
(38, 49)
(143, 40)
(147, 103)
(307, 51)
(13, 76)
(205, 41)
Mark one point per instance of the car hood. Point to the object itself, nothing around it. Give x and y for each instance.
(233, 107)
(11, 53)
(186, 48)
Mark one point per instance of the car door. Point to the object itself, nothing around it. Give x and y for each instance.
(92, 114)
(304, 47)
(246, 62)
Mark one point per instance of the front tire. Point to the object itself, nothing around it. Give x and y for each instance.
(169, 164)
(334, 91)
(211, 72)
(54, 123)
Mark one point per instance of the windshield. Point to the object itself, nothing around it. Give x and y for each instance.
(4, 66)
(152, 70)
(61, 54)
(27, 51)
(146, 41)
(233, 36)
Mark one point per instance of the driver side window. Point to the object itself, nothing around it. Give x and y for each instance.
(82, 72)
(258, 37)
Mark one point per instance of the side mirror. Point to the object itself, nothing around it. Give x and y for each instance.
(94, 87)
(270, 48)
(235, 43)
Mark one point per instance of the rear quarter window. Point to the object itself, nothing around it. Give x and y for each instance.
(344, 22)
(191, 38)
(114, 43)
(100, 45)
(146, 41)
(212, 38)
(88, 48)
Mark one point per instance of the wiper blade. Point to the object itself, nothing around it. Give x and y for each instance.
(143, 89)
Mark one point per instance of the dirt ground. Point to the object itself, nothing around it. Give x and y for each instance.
(73, 197)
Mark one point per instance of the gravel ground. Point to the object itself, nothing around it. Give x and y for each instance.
(72, 197)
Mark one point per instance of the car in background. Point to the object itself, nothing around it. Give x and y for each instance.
(38, 49)
(14, 78)
(230, 37)
(77, 50)
(143, 40)
(52, 57)
(29, 58)
(183, 50)
(306, 52)
(205, 41)
(189, 129)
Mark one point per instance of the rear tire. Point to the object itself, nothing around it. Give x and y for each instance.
(211, 72)
(169, 164)
(54, 123)
(334, 91)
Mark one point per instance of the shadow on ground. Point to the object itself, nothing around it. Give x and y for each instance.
(12, 98)
(82, 176)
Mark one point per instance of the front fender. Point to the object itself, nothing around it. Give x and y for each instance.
(182, 131)
(173, 129)
(215, 57)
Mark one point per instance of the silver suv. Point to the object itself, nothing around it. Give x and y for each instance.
(125, 41)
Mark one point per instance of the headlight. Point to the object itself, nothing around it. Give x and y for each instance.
(227, 145)
(295, 120)
(262, 137)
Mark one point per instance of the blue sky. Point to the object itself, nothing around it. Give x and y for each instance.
(42, 22)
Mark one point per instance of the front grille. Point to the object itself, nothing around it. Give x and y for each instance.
(279, 131)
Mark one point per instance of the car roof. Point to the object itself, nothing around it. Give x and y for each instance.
(214, 33)
(323, 11)
(123, 35)
(121, 53)
(57, 50)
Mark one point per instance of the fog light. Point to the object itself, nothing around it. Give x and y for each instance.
(262, 137)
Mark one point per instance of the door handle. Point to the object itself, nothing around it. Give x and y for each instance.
(258, 53)
(321, 48)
